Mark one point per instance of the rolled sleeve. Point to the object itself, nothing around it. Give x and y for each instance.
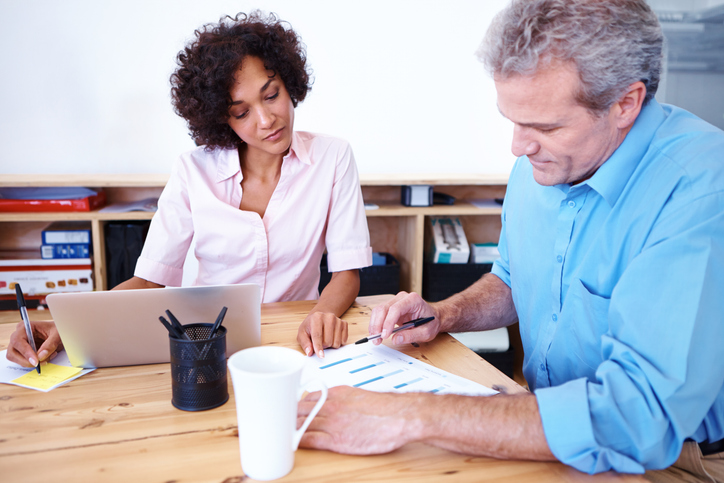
(501, 266)
(566, 419)
(158, 272)
(169, 236)
(347, 238)
(660, 375)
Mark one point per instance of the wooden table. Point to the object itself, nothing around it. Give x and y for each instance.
(118, 424)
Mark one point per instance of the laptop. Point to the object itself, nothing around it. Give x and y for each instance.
(122, 327)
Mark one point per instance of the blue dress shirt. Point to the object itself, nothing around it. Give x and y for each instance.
(618, 283)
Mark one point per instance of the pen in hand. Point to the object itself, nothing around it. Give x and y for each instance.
(406, 325)
(26, 322)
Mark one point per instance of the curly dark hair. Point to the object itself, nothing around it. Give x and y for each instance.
(206, 67)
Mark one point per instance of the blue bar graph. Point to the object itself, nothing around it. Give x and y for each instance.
(360, 369)
(408, 383)
(378, 378)
(342, 360)
(438, 389)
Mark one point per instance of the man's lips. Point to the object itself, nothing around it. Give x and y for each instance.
(538, 162)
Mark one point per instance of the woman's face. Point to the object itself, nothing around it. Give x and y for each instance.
(261, 113)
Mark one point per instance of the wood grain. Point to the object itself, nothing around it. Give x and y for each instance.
(118, 425)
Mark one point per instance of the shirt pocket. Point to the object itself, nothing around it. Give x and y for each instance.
(588, 315)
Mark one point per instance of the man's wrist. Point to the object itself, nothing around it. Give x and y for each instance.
(445, 315)
(416, 420)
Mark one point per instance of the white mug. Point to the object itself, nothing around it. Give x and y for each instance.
(267, 389)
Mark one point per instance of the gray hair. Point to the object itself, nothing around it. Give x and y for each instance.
(613, 44)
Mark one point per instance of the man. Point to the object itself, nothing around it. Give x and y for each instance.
(612, 260)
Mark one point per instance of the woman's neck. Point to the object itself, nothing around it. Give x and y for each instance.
(262, 166)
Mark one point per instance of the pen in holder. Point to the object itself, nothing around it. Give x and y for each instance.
(198, 368)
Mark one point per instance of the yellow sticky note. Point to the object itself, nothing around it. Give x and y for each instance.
(50, 375)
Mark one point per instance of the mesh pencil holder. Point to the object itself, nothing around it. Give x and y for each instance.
(198, 369)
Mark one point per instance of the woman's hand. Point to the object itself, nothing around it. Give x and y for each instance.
(321, 330)
(46, 338)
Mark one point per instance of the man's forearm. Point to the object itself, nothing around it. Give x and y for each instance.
(499, 426)
(354, 421)
(485, 305)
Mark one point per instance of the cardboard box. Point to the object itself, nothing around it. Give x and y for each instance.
(484, 252)
(448, 243)
(45, 276)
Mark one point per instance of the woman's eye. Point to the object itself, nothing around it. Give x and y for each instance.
(242, 115)
(273, 96)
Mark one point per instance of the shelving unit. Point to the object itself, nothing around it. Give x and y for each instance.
(394, 228)
(694, 39)
(20, 232)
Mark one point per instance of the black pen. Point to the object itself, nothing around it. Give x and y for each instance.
(406, 325)
(26, 322)
(218, 322)
(170, 328)
(177, 325)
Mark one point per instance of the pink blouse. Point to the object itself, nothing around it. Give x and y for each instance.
(316, 204)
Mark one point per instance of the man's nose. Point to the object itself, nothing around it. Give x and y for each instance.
(523, 143)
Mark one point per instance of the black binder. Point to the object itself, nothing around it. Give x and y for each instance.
(124, 242)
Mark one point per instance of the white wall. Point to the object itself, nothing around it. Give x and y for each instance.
(84, 85)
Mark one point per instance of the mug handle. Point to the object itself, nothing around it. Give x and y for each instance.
(299, 432)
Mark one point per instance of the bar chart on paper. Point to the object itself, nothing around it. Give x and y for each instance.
(383, 369)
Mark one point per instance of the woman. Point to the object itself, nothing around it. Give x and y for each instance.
(261, 201)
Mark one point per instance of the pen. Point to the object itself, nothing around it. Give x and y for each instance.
(177, 325)
(170, 328)
(218, 322)
(407, 325)
(26, 321)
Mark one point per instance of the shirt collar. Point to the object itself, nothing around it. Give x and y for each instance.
(298, 149)
(613, 175)
(228, 159)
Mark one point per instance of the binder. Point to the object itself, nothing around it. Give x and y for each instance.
(124, 242)
(67, 232)
(87, 203)
(65, 250)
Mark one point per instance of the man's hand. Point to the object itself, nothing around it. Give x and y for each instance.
(47, 340)
(321, 330)
(402, 308)
(355, 421)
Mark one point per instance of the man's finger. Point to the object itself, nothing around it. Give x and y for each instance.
(316, 440)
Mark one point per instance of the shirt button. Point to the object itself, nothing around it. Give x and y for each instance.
(554, 317)
(542, 367)
(559, 259)
(571, 204)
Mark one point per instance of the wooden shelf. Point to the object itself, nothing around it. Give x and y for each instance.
(395, 229)
(460, 208)
(85, 180)
(401, 179)
(76, 215)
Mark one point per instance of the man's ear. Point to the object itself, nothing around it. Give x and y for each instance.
(628, 107)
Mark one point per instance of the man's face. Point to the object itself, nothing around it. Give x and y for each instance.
(564, 142)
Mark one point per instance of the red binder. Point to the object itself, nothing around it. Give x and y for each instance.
(81, 204)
